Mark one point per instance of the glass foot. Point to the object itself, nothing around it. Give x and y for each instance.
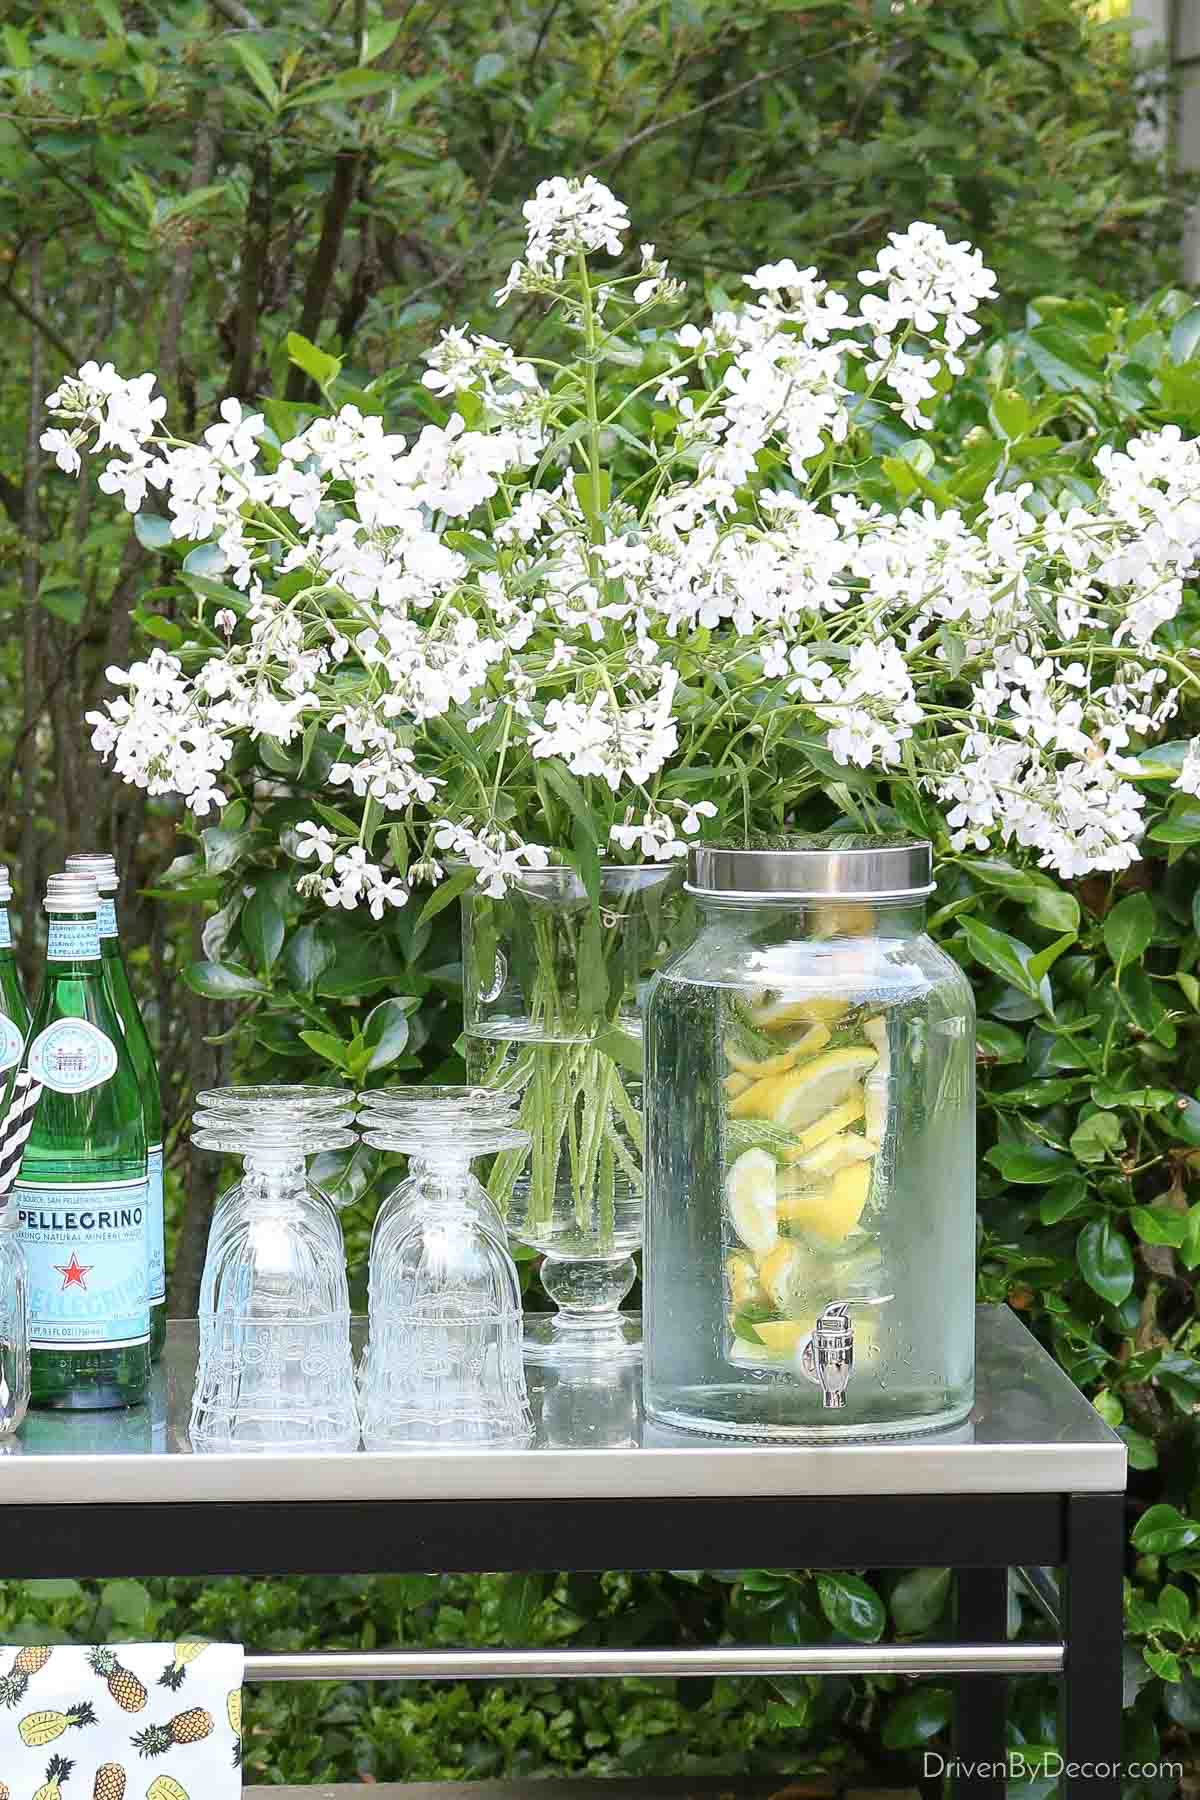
(552, 1340)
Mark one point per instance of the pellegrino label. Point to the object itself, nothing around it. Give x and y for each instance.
(72, 1055)
(5, 930)
(85, 1249)
(106, 917)
(11, 1043)
(156, 1267)
(72, 940)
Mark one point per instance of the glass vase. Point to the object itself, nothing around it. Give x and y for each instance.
(552, 988)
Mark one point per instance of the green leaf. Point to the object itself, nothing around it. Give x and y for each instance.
(306, 956)
(1098, 1136)
(222, 981)
(1181, 825)
(446, 893)
(64, 599)
(852, 1607)
(918, 1599)
(1049, 905)
(489, 66)
(1030, 1165)
(1062, 1199)
(1062, 362)
(128, 1602)
(1162, 1530)
(255, 65)
(151, 530)
(999, 1043)
(385, 1031)
(1105, 1261)
(519, 1600)
(329, 1048)
(1159, 1225)
(1006, 957)
(1185, 336)
(318, 363)
(1128, 929)
(1175, 1611)
(224, 849)
(262, 926)
(917, 1717)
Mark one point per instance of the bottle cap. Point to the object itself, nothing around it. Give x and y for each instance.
(5, 886)
(839, 866)
(99, 865)
(72, 893)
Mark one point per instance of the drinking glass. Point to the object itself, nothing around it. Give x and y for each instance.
(275, 1369)
(443, 1364)
(14, 1325)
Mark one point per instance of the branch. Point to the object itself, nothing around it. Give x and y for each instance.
(31, 618)
(324, 265)
(204, 153)
(40, 322)
(253, 261)
(237, 14)
(693, 112)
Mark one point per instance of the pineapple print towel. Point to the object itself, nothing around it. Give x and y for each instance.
(130, 1722)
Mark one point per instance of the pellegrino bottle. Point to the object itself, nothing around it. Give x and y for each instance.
(103, 869)
(14, 1012)
(82, 1187)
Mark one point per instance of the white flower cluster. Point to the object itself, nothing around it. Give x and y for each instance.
(503, 651)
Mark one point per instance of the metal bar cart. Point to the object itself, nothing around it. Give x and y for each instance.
(1035, 1480)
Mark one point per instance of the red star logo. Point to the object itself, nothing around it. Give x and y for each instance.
(74, 1272)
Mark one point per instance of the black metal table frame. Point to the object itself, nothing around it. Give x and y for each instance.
(980, 1536)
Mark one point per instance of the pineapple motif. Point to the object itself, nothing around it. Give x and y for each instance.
(165, 1787)
(233, 1710)
(56, 1773)
(175, 1673)
(27, 1662)
(38, 1728)
(185, 1728)
(110, 1782)
(4, 1791)
(123, 1685)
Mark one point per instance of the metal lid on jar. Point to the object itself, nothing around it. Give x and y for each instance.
(839, 866)
(71, 894)
(99, 865)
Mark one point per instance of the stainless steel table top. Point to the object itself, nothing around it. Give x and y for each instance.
(1031, 1432)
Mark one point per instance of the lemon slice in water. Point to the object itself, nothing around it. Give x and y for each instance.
(750, 1197)
(804, 1095)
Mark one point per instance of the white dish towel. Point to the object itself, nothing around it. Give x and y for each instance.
(121, 1722)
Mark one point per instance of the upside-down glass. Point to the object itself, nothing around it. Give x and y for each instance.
(810, 1231)
(275, 1370)
(443, 1364)
(283, 1109)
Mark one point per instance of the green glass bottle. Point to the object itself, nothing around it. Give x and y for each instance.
(103, 869)
(82, 1188)
(14, 1009)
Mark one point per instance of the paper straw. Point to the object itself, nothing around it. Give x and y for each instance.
(16, 1126)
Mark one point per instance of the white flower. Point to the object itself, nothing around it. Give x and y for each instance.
(314, 840)
(568, 215)
(497, 856)
(1188, 778)
(64, 446)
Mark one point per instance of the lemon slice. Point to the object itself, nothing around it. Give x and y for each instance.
(750, 1196)
(784, 1274)
(830, 1214)
(744, 1287)
(773, 1015)
(750, 1055)
(835, 1153)
(875, 1111)
(805, 1094)
(783, 1337)
(736, 1084)
(756, 1101)
(838, 1118)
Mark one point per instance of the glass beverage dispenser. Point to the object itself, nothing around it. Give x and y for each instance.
(810, 1122)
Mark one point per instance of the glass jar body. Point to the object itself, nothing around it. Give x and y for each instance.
(810, 1145)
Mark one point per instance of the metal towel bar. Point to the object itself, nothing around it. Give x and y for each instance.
(516, 1665)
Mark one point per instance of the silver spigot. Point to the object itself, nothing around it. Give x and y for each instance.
(827, 1354)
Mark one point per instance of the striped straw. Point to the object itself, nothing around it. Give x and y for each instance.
(16, 1126)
